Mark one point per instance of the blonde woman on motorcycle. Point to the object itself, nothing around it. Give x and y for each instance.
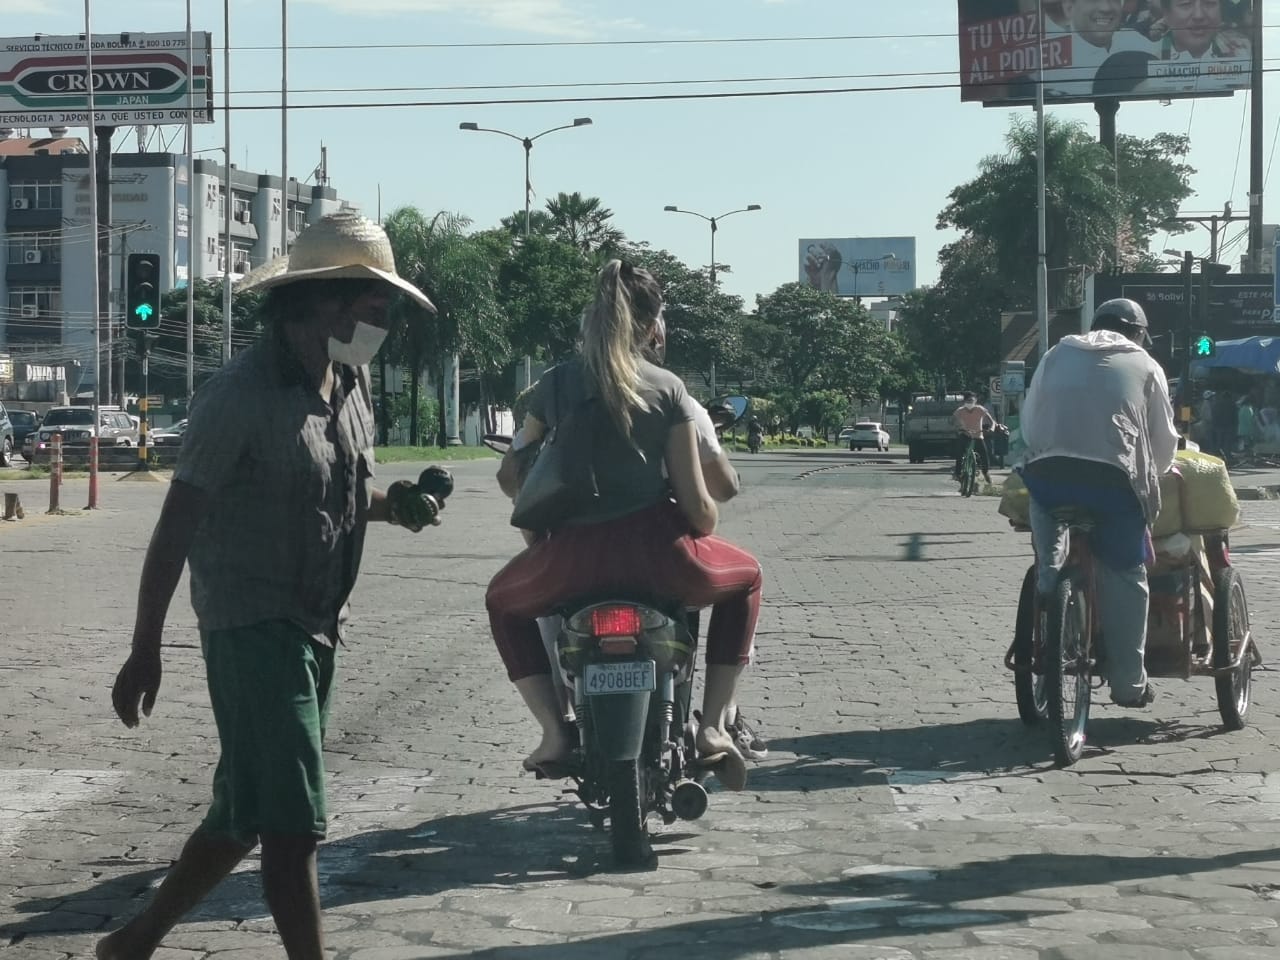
(632, 538)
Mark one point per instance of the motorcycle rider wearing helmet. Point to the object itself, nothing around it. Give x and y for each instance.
(1099, 432)
(632, 538)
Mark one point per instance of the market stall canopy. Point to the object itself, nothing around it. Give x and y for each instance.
(1260, 355)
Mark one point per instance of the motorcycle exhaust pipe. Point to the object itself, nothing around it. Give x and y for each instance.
(689, 800)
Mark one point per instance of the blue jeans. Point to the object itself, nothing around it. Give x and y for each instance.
(1119, 546)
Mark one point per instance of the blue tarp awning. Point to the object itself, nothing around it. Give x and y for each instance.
(1252, 355)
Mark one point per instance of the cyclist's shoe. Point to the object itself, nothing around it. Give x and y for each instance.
(1145, 699)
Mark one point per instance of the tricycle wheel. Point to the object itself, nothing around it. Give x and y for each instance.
(627, 828)
(1027, 685)
(1230, 628)
(1067, 668)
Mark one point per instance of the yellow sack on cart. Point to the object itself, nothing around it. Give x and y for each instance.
(1210, 500)
(1015, 501)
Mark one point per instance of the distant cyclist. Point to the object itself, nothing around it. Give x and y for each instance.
(972, 420)
(1099, 432)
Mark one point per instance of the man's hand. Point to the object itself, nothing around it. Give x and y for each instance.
(138, 679)
(409, 507)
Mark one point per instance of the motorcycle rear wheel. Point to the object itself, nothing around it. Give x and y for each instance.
(627, 828)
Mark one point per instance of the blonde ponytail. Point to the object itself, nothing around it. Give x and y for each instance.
(627, 303)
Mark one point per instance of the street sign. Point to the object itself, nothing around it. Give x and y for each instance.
(996, 387)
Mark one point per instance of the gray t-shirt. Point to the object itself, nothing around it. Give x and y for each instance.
(628, 471)
(289, 483)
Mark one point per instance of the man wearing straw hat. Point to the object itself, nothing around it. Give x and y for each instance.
(269, 504)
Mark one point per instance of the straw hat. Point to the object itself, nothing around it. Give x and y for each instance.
(341, 245)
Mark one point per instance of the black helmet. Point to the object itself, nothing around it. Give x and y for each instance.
(1123, 313)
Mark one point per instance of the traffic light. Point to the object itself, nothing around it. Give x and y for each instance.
(1203, 346)
(142, 278)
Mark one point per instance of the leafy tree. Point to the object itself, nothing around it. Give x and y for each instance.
(817, 341)
(703, 323)
(457, 272)
(168, 351)
(824, 409)
(543, 285)
(584, 222)
(540, 222)
(1087, 206)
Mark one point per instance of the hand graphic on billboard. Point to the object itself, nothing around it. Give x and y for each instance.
(822, 267)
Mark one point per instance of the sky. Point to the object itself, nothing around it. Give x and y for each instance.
(864, 164)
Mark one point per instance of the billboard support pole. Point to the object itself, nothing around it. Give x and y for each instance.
(102, 162)
(1042, 265)
(226, 166)
(1107, 110)
(1257, 175)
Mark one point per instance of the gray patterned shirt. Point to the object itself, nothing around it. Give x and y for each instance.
(289, 481)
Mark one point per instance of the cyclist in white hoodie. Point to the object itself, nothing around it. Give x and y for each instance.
(1099, 431)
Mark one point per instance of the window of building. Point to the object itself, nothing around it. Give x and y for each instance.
(222, 255)
(35, 313)
(297, 217)
(222, 204)
(241, 209)
(35, 195)
(240, 258)
(30, 248)
(275, 208)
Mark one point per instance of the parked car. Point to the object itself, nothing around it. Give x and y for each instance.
(75, 424)
(24, 423)
(868, 434)
(170, 436)
(6, 438)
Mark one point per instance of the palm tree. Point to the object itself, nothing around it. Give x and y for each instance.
(585, 223)
(540, 222)
(458, 272)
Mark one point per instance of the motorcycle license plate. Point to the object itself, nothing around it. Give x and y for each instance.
(606, 678)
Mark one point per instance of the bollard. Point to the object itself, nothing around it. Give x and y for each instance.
(55, 471)
(12, 507)
(93, 473)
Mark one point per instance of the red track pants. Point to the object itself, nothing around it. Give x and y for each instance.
(650, 553)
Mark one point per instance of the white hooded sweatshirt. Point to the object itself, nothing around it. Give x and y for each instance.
(1101, 397)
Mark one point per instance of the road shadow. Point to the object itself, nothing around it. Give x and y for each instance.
(992, 746)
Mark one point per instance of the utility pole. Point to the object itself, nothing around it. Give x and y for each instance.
(1188, 321)
(1257, 174)
(106, 320)
(1213, 223)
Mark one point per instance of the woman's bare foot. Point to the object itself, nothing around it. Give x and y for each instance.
(553, 751)
(730, 768)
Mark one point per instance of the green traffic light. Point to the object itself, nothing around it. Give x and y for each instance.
(1203, 346)
(143, 312)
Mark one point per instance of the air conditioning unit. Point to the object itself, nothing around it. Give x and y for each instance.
(32, 256)
(21, 203)
(30, 310)
(242, 216)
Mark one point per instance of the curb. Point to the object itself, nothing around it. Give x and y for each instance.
(1271, 492)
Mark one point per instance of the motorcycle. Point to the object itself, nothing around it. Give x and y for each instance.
(754, 441)
(627, 665)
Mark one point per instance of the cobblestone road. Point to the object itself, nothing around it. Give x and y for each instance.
(903, 814)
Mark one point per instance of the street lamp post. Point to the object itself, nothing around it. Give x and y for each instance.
(715, 225)
(527, 143)
(853, 265)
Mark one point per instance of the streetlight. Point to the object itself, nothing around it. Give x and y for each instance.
(853, 265)
(527, 143)
(715, 225)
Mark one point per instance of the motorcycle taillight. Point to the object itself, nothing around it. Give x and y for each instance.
(616, 622)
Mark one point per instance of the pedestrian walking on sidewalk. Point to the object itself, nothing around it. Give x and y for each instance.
(268, 505)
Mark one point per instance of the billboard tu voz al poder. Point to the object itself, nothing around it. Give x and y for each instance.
(1129, 49)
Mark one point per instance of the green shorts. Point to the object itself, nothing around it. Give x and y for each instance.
(269, 684)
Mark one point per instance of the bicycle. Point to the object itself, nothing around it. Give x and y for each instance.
(1054, 643)
(969, 469)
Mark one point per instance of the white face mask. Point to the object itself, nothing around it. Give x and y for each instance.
(970, 404)
(363, 346)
